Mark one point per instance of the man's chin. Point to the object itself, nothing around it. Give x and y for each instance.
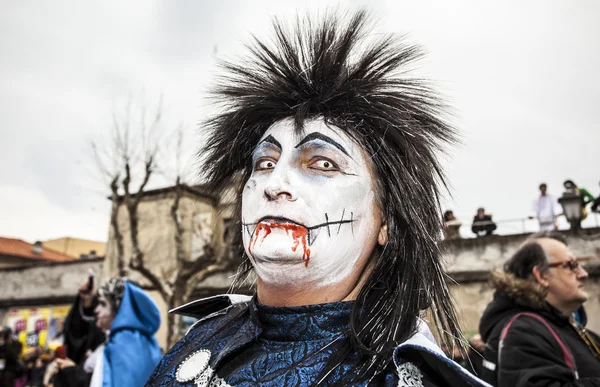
(276, 257)
(583, 296)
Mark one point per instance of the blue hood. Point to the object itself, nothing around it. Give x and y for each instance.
(131, 352)
(137, 312)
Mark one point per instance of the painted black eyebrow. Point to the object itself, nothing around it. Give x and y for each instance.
(271, 139)
(320, 136)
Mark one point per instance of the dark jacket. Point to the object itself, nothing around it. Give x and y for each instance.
(483, 224)
(80, 331)
(530, 355)
(9, 356)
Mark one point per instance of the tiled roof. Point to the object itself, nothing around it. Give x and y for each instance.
(22, 249)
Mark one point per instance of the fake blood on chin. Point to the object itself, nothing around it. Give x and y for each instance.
(299, 235)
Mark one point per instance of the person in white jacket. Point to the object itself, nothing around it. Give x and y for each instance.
(545, 209)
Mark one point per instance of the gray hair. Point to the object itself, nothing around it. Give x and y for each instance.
(113, 290)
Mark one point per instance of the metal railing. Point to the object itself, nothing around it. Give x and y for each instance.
(523, 225)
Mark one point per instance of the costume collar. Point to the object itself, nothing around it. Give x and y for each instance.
(301, 323)
(421, 346)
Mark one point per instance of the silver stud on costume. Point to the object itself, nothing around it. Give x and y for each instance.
(193, 366)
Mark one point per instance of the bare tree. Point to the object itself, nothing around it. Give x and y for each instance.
(139, 151)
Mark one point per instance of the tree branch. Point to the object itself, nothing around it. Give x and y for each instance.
(199, 276)
(114, 221)
(148, 168)
(179, 253)
(161, 286)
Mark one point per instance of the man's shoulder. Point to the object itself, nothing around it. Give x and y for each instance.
(209, 308)
(531, 328)
(205, 307)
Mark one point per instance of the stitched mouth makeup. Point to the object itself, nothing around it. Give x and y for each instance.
(300, 234)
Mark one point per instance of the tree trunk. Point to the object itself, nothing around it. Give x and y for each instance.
(174, 333)
(114, 222)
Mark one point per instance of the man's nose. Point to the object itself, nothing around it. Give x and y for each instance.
(278, 186)
(581, 273)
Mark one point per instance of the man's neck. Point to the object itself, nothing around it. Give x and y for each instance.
(290, 295)
(565, 310)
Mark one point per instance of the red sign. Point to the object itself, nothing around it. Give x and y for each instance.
(40, 325)
(20, 326)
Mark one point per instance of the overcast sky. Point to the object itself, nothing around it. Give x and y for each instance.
(522, 76)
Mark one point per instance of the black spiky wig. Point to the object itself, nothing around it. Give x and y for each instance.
(335, 68)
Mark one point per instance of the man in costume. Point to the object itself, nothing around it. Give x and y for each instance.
(335, 149)
(534, 327)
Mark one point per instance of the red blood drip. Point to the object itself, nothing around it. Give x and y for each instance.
(299, 233)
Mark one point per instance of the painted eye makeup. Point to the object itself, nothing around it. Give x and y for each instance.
(323, 164)
(264, 164)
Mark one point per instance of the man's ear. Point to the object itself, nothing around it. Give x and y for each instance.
(382, 238)
(540, 277)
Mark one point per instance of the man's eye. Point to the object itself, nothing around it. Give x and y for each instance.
(324, 165)
(263, 164)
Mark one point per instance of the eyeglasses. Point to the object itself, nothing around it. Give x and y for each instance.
(572, 264)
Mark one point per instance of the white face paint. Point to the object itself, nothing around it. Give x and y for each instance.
(104, 314)
(308, 210)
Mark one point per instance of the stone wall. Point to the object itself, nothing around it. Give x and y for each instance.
(44, 284)
(46, 281)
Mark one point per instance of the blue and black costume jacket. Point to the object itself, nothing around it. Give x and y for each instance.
(243, 343)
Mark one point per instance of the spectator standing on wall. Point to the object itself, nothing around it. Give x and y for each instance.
(451, 226)
(483, 225)
(532, 337)
(545, 209)
(596, 204)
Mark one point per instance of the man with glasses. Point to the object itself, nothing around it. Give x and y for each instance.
(532, 336)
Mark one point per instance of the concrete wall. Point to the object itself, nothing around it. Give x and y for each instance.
(44, 284)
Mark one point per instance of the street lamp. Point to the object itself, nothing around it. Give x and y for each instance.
(571, 204)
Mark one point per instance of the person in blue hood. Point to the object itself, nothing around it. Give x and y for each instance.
(130, 318)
